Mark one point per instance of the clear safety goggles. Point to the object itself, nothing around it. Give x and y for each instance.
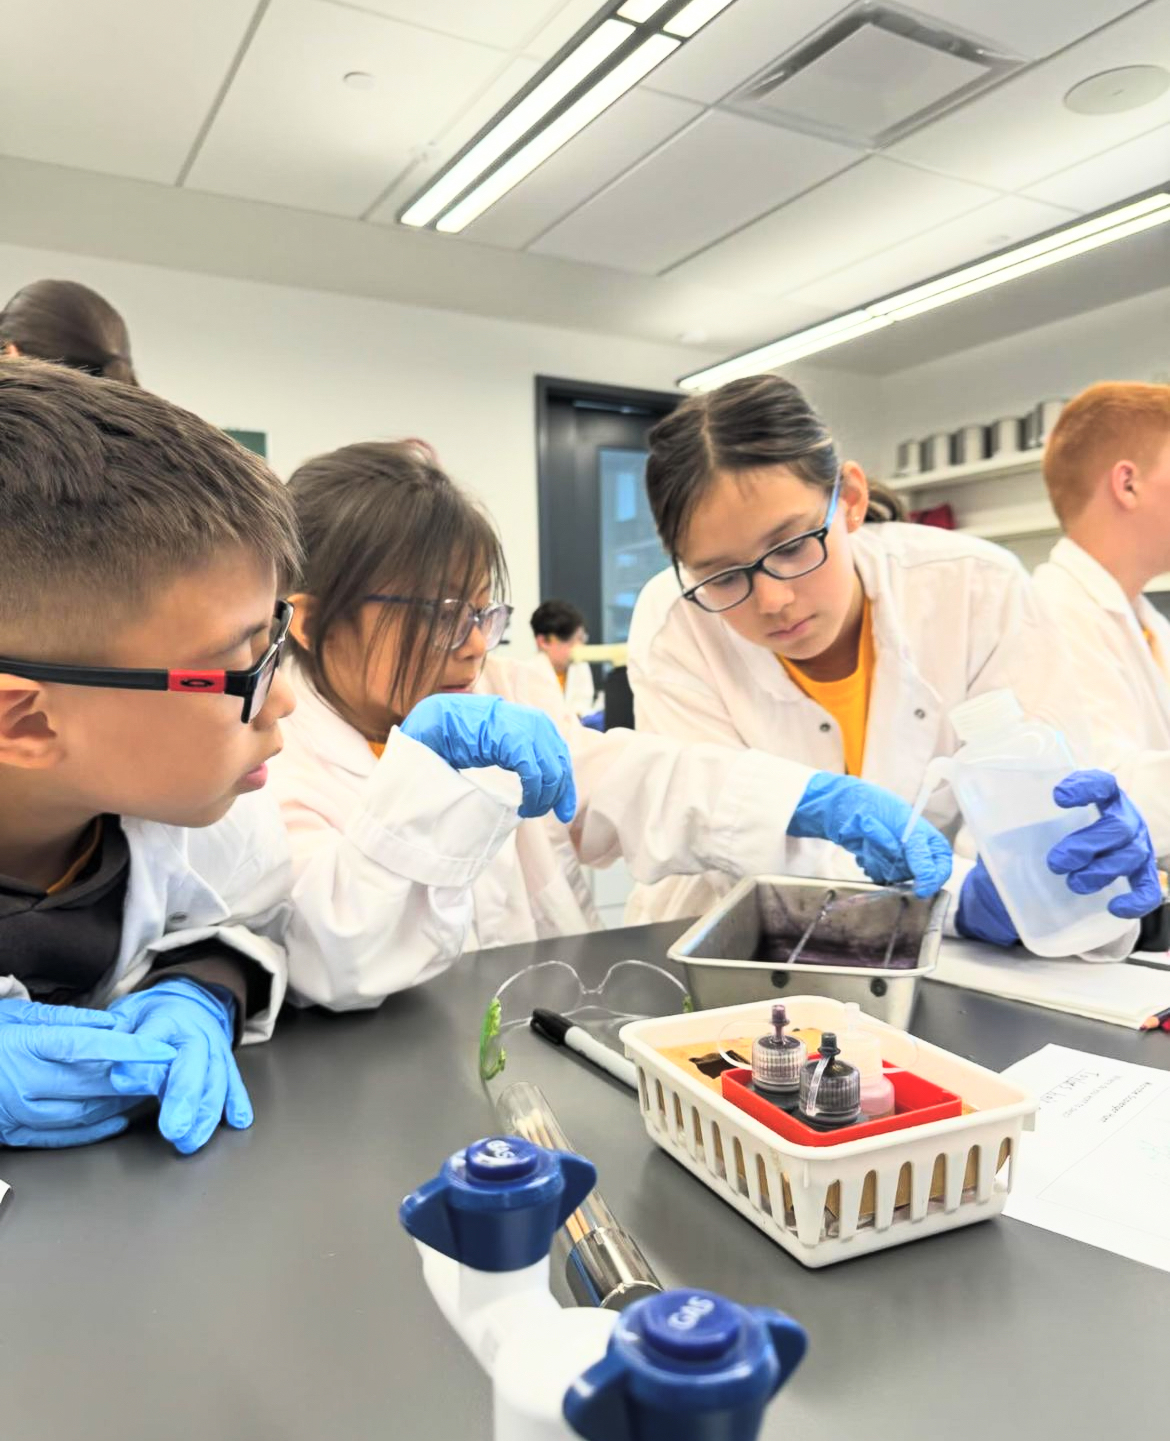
(630, 990)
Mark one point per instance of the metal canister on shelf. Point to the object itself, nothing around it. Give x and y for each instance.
(968, 444)
(936, 451)
(908, 458)
(1039, 421)
(1005, 436)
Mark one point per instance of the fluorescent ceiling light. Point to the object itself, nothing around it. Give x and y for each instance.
(609, 88)
(691, 18)
(1072, 240)
(641, 10)
(575, 67)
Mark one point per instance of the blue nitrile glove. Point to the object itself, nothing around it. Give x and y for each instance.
(56, 1062)
(868, 822)
(202, 1085)
(982, 916)
(1116, 847)
(470, 731)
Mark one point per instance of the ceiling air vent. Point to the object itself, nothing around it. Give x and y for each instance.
(871, 77)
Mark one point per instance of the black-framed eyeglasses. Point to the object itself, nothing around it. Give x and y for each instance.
(456, 619)
(791, 558)
(253, 685)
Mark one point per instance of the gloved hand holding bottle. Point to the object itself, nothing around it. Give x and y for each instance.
(56, 1073)
(868, 822)
(471, 731)
(202, 1084)
(1115, 847)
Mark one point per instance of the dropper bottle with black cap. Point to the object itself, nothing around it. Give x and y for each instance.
(830, 1089)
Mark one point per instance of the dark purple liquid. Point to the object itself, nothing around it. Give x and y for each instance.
(775, 950)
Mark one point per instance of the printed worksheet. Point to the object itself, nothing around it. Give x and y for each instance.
(1097, 1166)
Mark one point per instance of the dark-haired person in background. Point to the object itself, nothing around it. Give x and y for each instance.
(559, 628)
(67, 324)
(790, 625)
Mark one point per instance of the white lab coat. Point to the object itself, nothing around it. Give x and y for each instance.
(952, 617)
(1124, 686)
(228, 882)
(400, 863)
(580, 695)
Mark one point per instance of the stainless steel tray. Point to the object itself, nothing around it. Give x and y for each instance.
(844, 939)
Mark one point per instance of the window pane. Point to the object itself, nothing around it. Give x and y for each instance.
(630, 550)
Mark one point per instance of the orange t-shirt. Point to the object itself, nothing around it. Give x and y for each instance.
(846, 700)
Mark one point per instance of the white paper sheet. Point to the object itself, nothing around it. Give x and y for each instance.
(1123, 995)
(1097, 1166)
(4, 1190)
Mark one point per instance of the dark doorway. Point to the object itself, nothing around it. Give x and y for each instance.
(597, 541)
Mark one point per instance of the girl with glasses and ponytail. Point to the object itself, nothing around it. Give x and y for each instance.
(789, 624)
(439, 797)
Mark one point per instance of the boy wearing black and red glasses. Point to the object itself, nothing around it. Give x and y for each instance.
(141, 924)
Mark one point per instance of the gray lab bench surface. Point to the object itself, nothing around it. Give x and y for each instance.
(263, 1291)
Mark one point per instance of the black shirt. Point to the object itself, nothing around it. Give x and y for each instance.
(61, 946)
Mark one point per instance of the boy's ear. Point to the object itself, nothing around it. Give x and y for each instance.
(27, 735)
(1125, 484)
(302, 620)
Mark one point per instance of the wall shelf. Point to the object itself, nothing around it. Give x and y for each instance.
(1023, 462)
(1024, 522)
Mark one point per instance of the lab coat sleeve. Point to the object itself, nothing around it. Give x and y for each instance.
(1114, 705)
(1030, 656)
(672, 808)
(242, 863)
(383, 901)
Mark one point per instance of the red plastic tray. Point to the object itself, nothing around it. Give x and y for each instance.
(917, 1102)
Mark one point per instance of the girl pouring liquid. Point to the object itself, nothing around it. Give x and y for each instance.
(428, 787)
(788, 624)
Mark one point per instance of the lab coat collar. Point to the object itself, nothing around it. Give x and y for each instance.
(1100, 584)
(323, 731)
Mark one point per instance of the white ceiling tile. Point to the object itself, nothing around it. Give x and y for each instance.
(1032, 28)
(717, 175)
(564, 24)
(454, 137)
(746, 37)
(1021, 131)
(1125, 170)
(618, 138)
(1009, 221)
(290, 132)
(867, 209)
(507, 24)
(121, 87)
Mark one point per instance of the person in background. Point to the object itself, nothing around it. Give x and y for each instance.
(789, 624)
(68, 324)
(559, 628)
(143, 886)
(419, 770)
(1107, 468)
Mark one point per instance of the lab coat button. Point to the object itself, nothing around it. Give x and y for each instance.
(825, 726)
(919, 714)
(177, 919)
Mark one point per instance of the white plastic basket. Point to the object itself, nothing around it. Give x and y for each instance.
(827, 1204)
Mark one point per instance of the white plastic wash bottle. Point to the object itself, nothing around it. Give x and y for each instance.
(1003, 778)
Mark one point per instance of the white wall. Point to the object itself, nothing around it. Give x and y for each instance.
(1126, 341)
(317, 370)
